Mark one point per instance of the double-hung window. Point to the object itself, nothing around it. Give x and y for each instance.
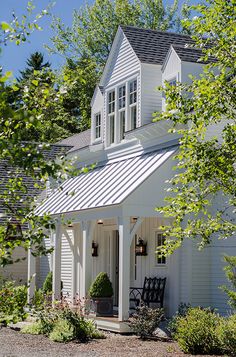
(160, 240)
(121, 109)
(97, 125)
(111, 115)
(133, 104)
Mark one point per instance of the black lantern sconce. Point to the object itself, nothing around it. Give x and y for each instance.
(14, 230)
(141, 248)
(94, 249)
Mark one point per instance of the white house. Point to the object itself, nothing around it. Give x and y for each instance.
(113, 205)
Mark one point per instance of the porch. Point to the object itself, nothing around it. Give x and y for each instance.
(122, 196)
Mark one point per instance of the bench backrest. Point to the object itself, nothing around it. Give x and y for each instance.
(153, 290)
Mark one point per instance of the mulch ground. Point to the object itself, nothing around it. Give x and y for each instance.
(15, 344)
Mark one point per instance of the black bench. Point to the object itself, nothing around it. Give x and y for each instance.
(152, 292)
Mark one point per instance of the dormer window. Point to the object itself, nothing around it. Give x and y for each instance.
(121, 108)
(133, 103)
(111, 115)
(98, 126)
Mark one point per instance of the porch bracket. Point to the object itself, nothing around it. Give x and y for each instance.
(135, 228)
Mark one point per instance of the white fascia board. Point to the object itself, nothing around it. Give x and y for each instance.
(171, 50)
(94, 95)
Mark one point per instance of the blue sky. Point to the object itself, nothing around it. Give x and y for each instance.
(13, 57)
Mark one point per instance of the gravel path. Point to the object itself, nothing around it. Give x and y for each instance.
(15, 344)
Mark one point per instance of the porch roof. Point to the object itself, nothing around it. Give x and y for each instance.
(106, 185)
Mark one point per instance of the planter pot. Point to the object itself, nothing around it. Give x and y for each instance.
(102, 306)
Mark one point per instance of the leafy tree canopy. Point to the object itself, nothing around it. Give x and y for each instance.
(203, 191)
(34, 63)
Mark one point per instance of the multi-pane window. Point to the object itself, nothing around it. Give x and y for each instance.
(133, 103)
(111, 115)
(160, 240)
(111, 102)
(122, 124)
(121, 93)
(121, 107)
(133, 92)
(97, 125)
(172, 82)
(112, 128)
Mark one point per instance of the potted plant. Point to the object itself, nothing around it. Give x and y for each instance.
(101, 294)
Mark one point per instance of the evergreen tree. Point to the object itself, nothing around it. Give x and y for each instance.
(34, 63)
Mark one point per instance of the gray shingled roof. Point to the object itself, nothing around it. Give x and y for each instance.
(7, 171)
(152, 46)
(77, 141)
(190, 54)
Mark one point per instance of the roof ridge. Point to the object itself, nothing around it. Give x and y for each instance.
(155, 31)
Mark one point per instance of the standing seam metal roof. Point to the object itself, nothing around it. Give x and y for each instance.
(106, 185)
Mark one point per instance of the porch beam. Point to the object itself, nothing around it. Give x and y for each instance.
(31, 276)
(124, 267)
(56, 274)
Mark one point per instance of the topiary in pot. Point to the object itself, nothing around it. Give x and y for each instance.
(101, 293)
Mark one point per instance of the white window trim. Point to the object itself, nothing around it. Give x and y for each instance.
(96, 139)
(127, 109)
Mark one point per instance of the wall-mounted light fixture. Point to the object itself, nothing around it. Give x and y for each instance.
(99, 221)
(141, 247)
(14, 230)
(94, 249)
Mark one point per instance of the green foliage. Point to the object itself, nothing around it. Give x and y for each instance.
(196, 332)
(62, 331)
(34, 63)
(32, 329)
(203, 198)
(47, 285)
(62, 324)
(101, 286)
(230, 271)
(13, 300)
(24, 159)
(226, 332)
(145, 321)
(182, 312)
(38, 300)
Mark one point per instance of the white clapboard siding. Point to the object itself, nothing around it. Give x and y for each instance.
(123, 65)
(151, 98)
(16, 271)
(66, 262)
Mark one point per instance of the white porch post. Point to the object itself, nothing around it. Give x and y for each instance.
(124, 267)
(56, 274)
(87, 232)
(31, 275)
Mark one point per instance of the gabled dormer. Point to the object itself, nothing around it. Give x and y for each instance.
(127, 94)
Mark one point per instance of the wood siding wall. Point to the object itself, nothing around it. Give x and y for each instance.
(151, 98)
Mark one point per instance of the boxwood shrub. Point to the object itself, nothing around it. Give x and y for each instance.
(101, 287)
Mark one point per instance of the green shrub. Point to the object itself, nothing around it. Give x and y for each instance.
(13, 300)
(182, 311)
(226, 332)
(145, 321)
(32, 329)
(230, 272)
(101, 287)
(62, 324)
(47, 285)
(196, 332)
(62, 331)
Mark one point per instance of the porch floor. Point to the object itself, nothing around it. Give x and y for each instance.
(111, 324)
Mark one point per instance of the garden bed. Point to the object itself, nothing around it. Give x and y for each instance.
(13, 343)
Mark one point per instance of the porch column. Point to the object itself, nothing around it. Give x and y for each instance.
(31, 275)
(56, 273)
(124, 267)
(87, 233)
